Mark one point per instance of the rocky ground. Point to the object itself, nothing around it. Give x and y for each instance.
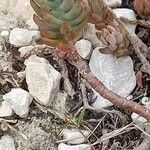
(42, 97)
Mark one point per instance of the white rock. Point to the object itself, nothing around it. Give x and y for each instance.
(145, 101)
(84, 48)
(129, 14)
(25, 50)
(75, 136)
(19, 100)
(5, 34)
(116, 74)
(113, 3)
(130, 97)
(22, 37)
(75, 147)
(5, 109)
(138, 119)
(59, 103)
(42, 79)
(89, 34)
(7, 143)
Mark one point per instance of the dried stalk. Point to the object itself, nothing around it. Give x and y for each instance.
(140, 49)
(134, 22)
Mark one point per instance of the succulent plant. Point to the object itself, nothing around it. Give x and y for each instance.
(111, 32)
(59, 20)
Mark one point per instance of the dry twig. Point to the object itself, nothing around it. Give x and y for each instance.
(140, 22)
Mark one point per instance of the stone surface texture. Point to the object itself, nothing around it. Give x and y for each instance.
(63, 146)
(129, 14)
(113, 3)
(42, 79)
(19, 100)
(5, 109)
(84, 48)
(116, 74)
(22, 37)
(7, 143)
(75, 136)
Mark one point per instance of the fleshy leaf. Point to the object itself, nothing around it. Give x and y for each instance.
(59, 20)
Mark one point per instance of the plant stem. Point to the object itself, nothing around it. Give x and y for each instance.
(72, 56)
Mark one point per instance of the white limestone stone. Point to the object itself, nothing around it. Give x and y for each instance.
(113, 3)
(5, 34)
(19, 100)
(84, 48)
(63, 146)
(145, 101)
(130, 97)
(7, 143)
(116, 74)
(25, 50)
(5, 109)
(42, 79)
(74, 136)
(22, 37)
(138, 119)
(129, 14)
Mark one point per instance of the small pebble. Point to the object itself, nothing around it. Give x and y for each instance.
(145, 101)
(129, 97)
(5, 34)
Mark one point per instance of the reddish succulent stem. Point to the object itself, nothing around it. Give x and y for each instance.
(83, 68)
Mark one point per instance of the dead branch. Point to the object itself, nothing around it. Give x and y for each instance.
(145, 62)
(141, 50)
(143, 23)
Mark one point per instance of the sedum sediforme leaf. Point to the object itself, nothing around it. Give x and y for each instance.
(111, 32)
(54, 17)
